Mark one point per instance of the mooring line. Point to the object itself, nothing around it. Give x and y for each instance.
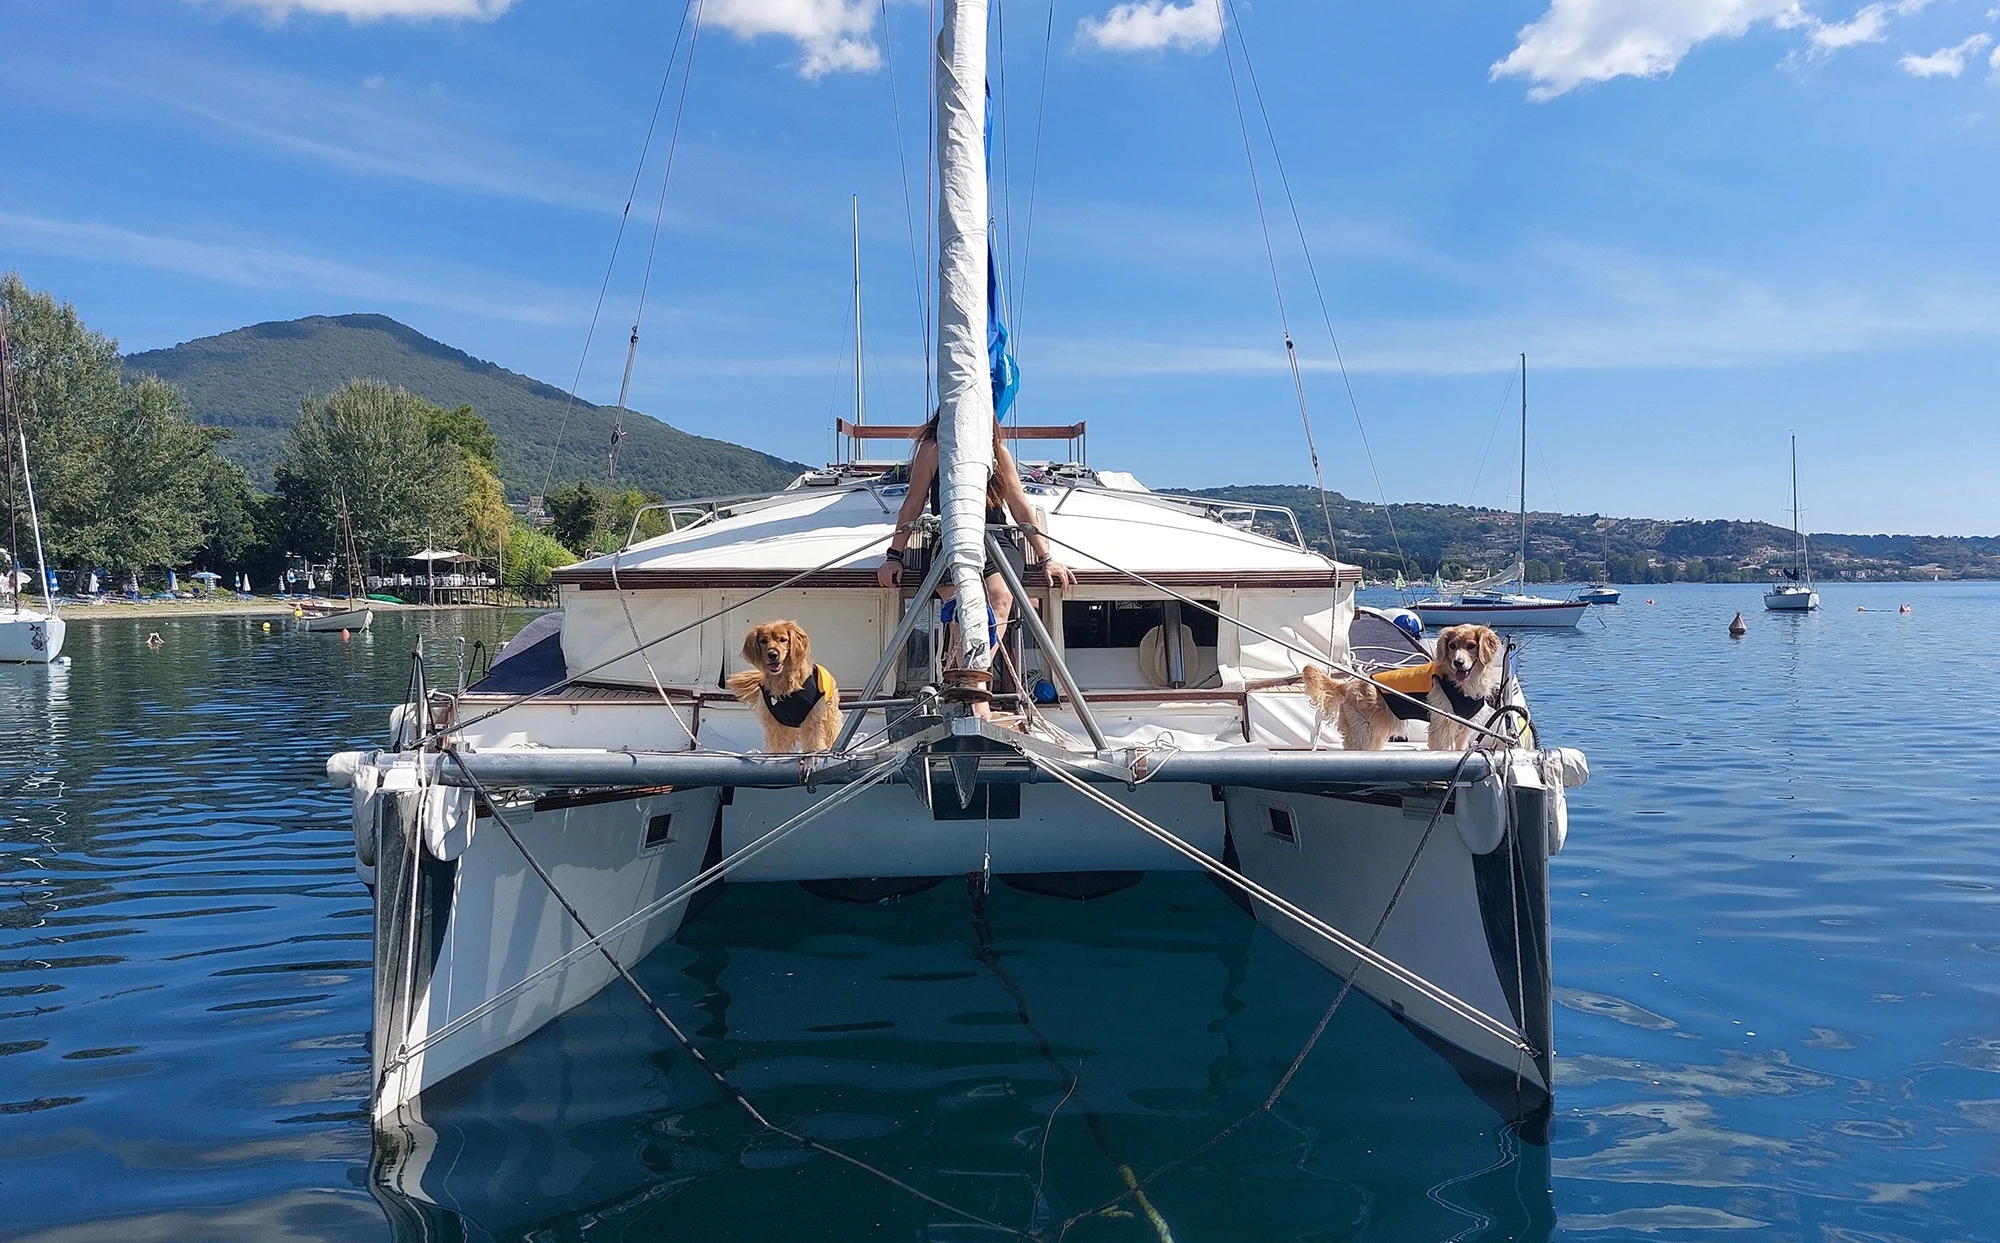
(700, 1059)
(1135, 1187)
(989, 957)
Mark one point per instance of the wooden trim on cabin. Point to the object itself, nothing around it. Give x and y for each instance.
(900, 431)
(851, 579)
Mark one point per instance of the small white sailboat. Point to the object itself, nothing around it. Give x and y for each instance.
(27, 635)
(1796, 594)
(349, 619)
(1480, 606)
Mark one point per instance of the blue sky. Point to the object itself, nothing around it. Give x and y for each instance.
(1707, 222)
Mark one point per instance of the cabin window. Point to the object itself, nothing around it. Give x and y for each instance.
(659, 830)
(1104, 642)
(1122, 623)
(1281, 824)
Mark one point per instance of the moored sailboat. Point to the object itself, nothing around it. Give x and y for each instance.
(1482, 606)
(27, 635)
(1795, 594)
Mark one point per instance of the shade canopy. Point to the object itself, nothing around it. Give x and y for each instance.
(441, 554)
(210, 575)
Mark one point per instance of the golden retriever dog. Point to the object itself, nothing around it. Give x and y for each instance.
(796, 701)
(1463, 680)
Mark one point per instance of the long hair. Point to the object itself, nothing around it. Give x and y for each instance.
(996, 495)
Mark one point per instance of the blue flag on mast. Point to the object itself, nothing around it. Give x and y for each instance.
(999, 352)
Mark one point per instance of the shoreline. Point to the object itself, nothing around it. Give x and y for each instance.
(74, 612)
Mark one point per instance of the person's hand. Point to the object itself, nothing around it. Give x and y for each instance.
(889, 573)
(1059, 575)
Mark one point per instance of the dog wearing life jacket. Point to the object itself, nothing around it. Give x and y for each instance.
(795, 700)
(1462, 680)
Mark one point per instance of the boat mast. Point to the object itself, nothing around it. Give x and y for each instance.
(965, 385)
(860, 416)
(1522, 580)
(17, 424)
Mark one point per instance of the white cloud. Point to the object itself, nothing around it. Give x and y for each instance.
(376, 10)
(1154, 25)
(1866, 26)
(1579, 41)
(234, 263)
(835, 34)
(1946, 62)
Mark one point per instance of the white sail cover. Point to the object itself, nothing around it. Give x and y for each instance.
(965, 393)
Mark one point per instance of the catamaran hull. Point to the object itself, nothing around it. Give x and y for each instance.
(1503, 617)
(31, 638)
(453, 933)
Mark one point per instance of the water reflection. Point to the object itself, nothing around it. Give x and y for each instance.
(881, 1030)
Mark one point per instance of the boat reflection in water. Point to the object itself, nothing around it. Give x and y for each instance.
(935, 1037)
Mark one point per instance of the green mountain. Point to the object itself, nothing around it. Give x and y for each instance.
(1466, 542)
(252, 380)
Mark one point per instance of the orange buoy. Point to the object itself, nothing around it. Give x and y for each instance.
(1737, 627)
(343, 633)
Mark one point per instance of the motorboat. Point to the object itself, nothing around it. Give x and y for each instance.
(529, 838)
(1795, 594)
(1599, 593)
(1479, 605)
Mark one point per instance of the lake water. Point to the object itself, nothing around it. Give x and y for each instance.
(1777, 956)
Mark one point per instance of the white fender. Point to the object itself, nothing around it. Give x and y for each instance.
(446, 818)
(1480, 808)
(363, 781)
(1562, 769)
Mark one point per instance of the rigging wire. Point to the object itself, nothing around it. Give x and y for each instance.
(722, 1081)
(909, 213)
(652, 248)
(1034, 177)
(624, 218)
(1312, 269)
(1136, 1187)
(1277, 287)
(1492, 434)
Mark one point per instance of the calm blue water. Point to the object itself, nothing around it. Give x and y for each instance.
(1777, 954)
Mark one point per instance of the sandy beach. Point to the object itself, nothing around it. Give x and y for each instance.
(75, 612)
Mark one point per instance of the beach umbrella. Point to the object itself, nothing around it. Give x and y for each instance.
(206, 576)
(93, 583)
(173, 580)
(311, 583)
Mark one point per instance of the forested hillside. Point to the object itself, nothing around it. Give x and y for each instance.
(1464, 541)
(252, 380)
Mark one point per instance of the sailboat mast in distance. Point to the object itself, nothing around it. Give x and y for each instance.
(1523, 580)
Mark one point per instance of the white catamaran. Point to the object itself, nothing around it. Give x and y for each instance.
(530, 838)
(27, 635)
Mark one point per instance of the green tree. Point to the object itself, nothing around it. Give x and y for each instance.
(121, 469)
(531, 554)
(462, 426)
(573, 515)
(367, 448)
